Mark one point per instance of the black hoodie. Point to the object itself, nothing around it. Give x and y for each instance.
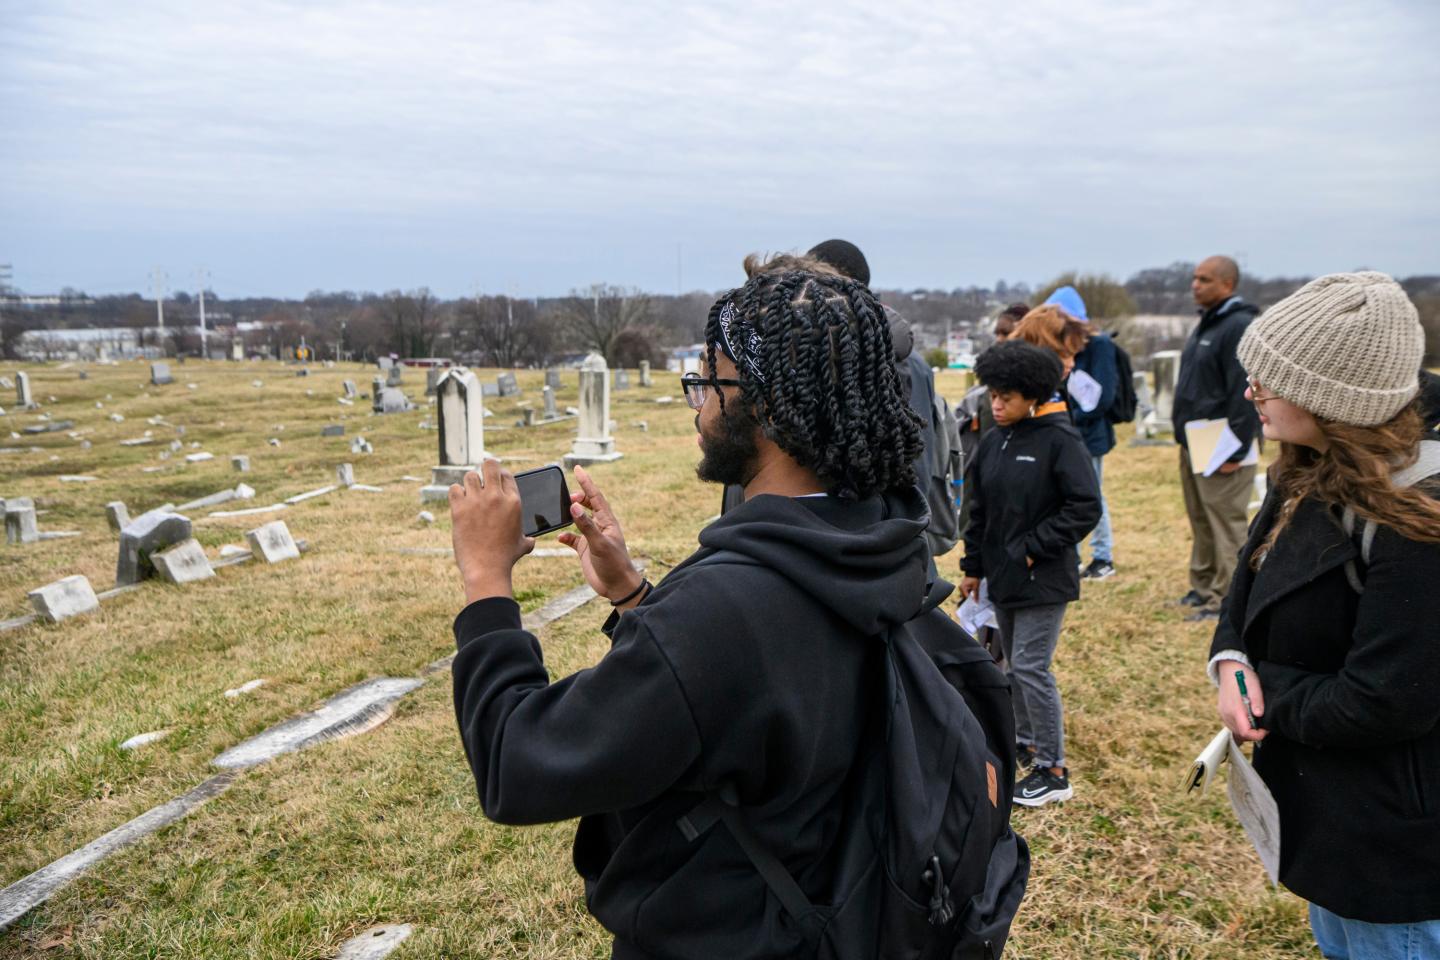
(748, 675)
(1212, 383)
(1033, 494)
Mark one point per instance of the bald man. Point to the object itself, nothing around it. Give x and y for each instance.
(1212, 387)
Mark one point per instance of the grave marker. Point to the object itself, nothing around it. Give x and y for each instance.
(117, 514)
(67, 597)
(160, 374)
(622, 379)
(432, 377)
(333, 430)
(594, 444)
(350, 391)
(392, 376)
(142, 538)
(1166, 367)
(185, 562)
(24, 399)
(461, 413)
(272, 542)
(549, 393)
(552, 378)
(644, 373)
(345, 475)
(20, 526)
(507, 386)
(240, 463)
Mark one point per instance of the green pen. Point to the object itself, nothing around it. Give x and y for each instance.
(1245, 698)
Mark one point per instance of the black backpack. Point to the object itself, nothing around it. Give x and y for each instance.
(1123, 407)
(927, 866)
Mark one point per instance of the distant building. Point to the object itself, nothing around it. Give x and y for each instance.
(86, 343)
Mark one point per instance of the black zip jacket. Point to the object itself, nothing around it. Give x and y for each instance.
(1034, 495)
(1212, 382)
(749, 675)
(1352, 702)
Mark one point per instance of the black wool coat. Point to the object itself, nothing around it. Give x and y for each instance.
(1351, 685)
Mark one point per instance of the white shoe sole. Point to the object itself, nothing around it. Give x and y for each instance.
(1051, 797)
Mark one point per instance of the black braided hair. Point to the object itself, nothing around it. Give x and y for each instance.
(1015, 366)
(827, 391)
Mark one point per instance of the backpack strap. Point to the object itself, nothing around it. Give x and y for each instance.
(1426, 465)
(716, 807)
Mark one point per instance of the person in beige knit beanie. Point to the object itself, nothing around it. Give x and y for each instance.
(1332, 612)
(1346, 348)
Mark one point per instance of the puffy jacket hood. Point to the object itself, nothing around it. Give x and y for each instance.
(865, 560)
(1068, 299)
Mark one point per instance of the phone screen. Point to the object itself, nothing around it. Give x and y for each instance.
(544, 500)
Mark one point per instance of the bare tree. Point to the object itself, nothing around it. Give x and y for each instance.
(600, 316)
(505, 330)
(415, 321)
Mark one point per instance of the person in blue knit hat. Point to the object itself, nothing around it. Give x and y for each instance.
(1091, 390)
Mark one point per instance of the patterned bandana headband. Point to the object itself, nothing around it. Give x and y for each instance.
(751, 343)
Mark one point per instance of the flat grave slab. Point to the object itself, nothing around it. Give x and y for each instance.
(66, 597)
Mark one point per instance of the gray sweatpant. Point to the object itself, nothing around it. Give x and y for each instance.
(1028, 636)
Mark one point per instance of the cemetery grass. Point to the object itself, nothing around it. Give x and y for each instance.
(307, 850)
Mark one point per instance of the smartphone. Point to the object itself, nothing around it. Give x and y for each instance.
(544, 500)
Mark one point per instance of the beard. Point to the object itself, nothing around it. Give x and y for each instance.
(729, 455)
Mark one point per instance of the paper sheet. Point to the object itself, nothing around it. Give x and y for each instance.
(1211, 443)
(1085, 389)
(1251, 800)
(973, 615)
(1256, 810)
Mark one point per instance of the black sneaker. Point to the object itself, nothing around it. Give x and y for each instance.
(1042, 787)
(1191, 599)
(1098, 570)
(1024, 757)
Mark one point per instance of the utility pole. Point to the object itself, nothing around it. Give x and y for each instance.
(157, 280)
(201, 276)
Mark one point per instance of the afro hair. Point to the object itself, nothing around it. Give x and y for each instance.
(1015, 366)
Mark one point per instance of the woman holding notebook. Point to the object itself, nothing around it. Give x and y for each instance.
(1333, 617)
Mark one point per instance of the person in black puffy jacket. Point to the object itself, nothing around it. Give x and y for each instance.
(1034, 499)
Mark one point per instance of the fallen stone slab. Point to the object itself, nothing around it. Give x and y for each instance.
(145, 535)
(199, 457)
(377, 943)
(250, 512)
(66, 597)
(144, 739)
(58, 534)
(77, 478)
(54, 426)
(185, 562)
(302, 497)
(272, 542)
(245, 687)
(29, 892)
(137, 441)
(366, 487)
(239, 492)
(353, 710)
(333, 430)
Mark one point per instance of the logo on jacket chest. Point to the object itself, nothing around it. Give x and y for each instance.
(1024, 458)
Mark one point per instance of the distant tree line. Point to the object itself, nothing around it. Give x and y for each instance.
(624, 325)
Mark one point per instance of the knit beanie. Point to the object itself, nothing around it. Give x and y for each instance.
(1346, 347)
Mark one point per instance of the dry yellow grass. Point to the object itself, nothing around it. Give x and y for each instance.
(313, 847)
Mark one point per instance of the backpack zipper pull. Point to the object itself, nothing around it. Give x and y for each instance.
(942, 909)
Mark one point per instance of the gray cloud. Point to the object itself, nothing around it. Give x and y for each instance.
(543, 146)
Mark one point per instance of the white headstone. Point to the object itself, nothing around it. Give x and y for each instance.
(272, 542)
(350, 391)
(185, 562)
(142, 537)
(594, 444)
(549, 393)
(345, 475)
(160, 374)
(23, 397)
(241, 463)
(552, 379)
(118, 515)
(507, 386)
(66, 597)
(461, 412)
(20, 526)
(644, 373)
(1166, 367)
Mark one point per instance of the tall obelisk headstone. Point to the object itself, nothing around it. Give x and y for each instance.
(23, 397)
(460, 409)
(1166, 367)
(594, 443)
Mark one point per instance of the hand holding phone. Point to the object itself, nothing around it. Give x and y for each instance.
(544, 500)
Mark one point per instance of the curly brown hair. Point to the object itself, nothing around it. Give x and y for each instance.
(1355, 472)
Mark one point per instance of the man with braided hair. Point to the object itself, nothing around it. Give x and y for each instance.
(745, 671)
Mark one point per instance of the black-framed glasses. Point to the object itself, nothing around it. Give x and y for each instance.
(696, 386)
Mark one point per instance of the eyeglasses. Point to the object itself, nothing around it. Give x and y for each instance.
(1256, 396)
(696, 387)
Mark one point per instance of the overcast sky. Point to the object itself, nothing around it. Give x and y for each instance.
(536, 147)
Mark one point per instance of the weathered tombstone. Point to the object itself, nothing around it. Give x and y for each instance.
(594, 444)
(350, 391)
(24, 399)
(644, 373)
(303, 372)
(528, 416)
(333, 430)
(1145, 426)
(67, 597)
(361, 445)
(549, 393)
(272, 542)
(118, 514)
(160, 374)
(507, 385)
(345, 475)
(84, 374)
(461, 412)
(237, 350)
(377, 387)
(1165, 365)
(392, 376)
(384, 363)
(184, 562)
(20, 525)
(432, 377)
(552, 379)
(622, 379)
(142, 538)
(240, 463)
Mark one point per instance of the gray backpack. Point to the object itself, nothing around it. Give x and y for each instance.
(1426, 465)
